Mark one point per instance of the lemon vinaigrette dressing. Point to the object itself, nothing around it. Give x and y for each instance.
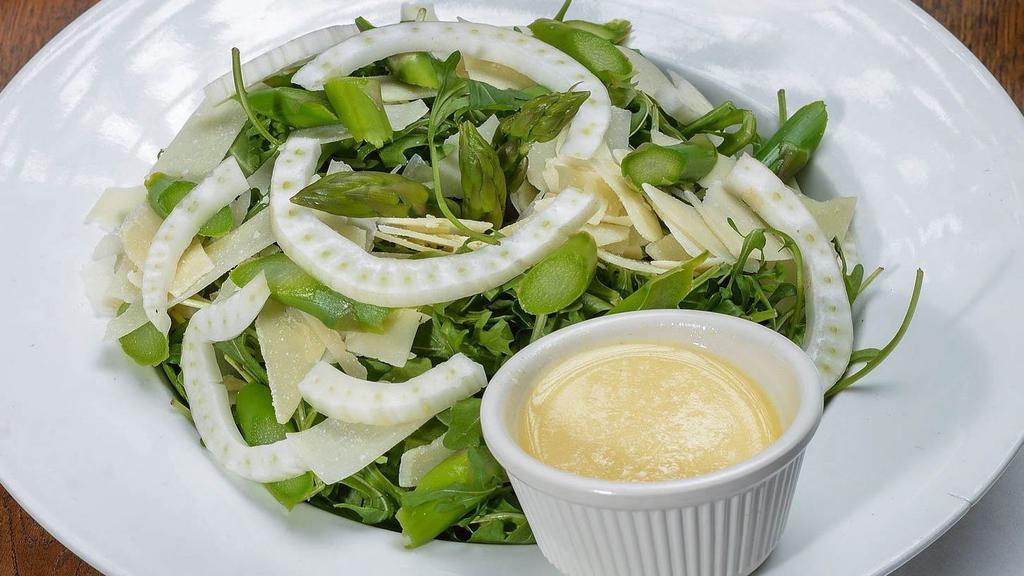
(645, 413)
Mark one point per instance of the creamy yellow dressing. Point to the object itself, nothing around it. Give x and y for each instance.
(646, 412)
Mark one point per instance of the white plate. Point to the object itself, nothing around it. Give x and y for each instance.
(919, 132)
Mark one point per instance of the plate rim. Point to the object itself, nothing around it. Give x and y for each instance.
(102, 562)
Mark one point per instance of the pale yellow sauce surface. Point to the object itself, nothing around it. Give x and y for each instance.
(645, 413)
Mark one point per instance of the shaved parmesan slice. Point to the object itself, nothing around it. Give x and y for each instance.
(349, 399)
(537, 161)
(338, 166)
(639, 212)
(208, 397)
(617, 136)
(203, 141)
(495, 74)
(240, 207)
(404, 243)
(686, 224)
(193, 265)
(416, 462)
(833, 216)
(335, 450)
(402, 115)
(667, 248)
(630, 247)
(121, 289)
(394, 283)
(628, 263)
(392, 346)
(109, 245)
(178, 230)
(666, 264)
(720, 207)
(337, 352)
(434, 225)
(260, 179)
(722, 168)
(829, 334)
(617, 220)
(290, 349)
(98, 275)
(114, 205)
(291, 52)
(605, 234)
(691, 104)
(661, 140)
(419, 170)
(133, 318)
(392, 91)
(542, 63)
(225, 253)
(447, 241)
(137, 234)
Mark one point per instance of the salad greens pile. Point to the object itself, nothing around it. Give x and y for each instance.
(467, 497)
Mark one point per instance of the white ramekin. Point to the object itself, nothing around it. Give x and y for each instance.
(720, 524)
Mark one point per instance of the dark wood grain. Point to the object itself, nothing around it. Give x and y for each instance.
(992, 29)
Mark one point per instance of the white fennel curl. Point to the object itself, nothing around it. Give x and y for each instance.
(340, 396)
(266, 64)
(542, 63)
(828, 338)
(176, 232)
(346, 267)
(208, 398)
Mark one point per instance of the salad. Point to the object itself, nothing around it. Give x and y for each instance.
(355, 230)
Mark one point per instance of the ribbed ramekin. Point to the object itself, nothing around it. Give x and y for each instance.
(721, 524)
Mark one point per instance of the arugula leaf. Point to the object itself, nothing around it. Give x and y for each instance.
(498, 338)
(663, 291)
(463, 425)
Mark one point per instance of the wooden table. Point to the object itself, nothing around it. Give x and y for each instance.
(992, 29)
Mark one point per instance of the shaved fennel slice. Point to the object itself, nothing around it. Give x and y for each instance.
(640, 214)
(217, 190)
(297, 50)
(203, 142)
(416, 462)
(349, 399)
(121, 289)
(231, 250)
(828, 338)
(394, 345)
(335, 450)
(686, 224)
(207, 395)
(114, 205)
(411, 12)
(290, 349)
(542, 63)
(346, 268)
(834, 216)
